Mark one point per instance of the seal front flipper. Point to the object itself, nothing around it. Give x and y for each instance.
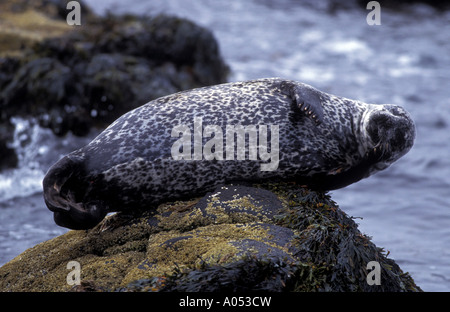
(306, 99)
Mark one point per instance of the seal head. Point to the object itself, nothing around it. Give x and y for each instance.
(388, 133)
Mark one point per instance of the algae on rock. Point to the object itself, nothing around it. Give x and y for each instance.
(273, 237)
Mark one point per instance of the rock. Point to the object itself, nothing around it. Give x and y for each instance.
(271, 237)
(73, 78)
(24, 22)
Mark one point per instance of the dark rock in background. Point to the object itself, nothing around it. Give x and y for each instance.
(87, 76)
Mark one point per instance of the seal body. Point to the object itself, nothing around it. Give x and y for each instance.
(188, 143)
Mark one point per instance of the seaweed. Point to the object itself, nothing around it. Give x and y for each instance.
(247, 274)
(328, 237)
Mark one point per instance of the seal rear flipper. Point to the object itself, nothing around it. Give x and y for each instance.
(64, 195)
(306, 99)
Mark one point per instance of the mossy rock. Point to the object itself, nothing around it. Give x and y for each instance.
(273, 237)
(20, 29)
(26, 22)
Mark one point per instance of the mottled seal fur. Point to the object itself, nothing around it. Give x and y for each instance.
(325, 142)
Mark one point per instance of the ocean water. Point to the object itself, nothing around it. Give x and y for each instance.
(404, 61)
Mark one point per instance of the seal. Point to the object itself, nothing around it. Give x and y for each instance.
(173, 147)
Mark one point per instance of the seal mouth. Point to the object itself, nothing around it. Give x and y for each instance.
(62, 191)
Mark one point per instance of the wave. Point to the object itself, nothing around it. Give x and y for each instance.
(37, 149)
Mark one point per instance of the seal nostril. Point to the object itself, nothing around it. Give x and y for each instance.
(399, 137)
(396, 111)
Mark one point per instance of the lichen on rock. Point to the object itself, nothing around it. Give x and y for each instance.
(272, 236)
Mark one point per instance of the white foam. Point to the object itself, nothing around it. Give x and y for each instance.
(36, 148)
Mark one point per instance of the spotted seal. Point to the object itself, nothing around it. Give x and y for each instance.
(317, 139)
